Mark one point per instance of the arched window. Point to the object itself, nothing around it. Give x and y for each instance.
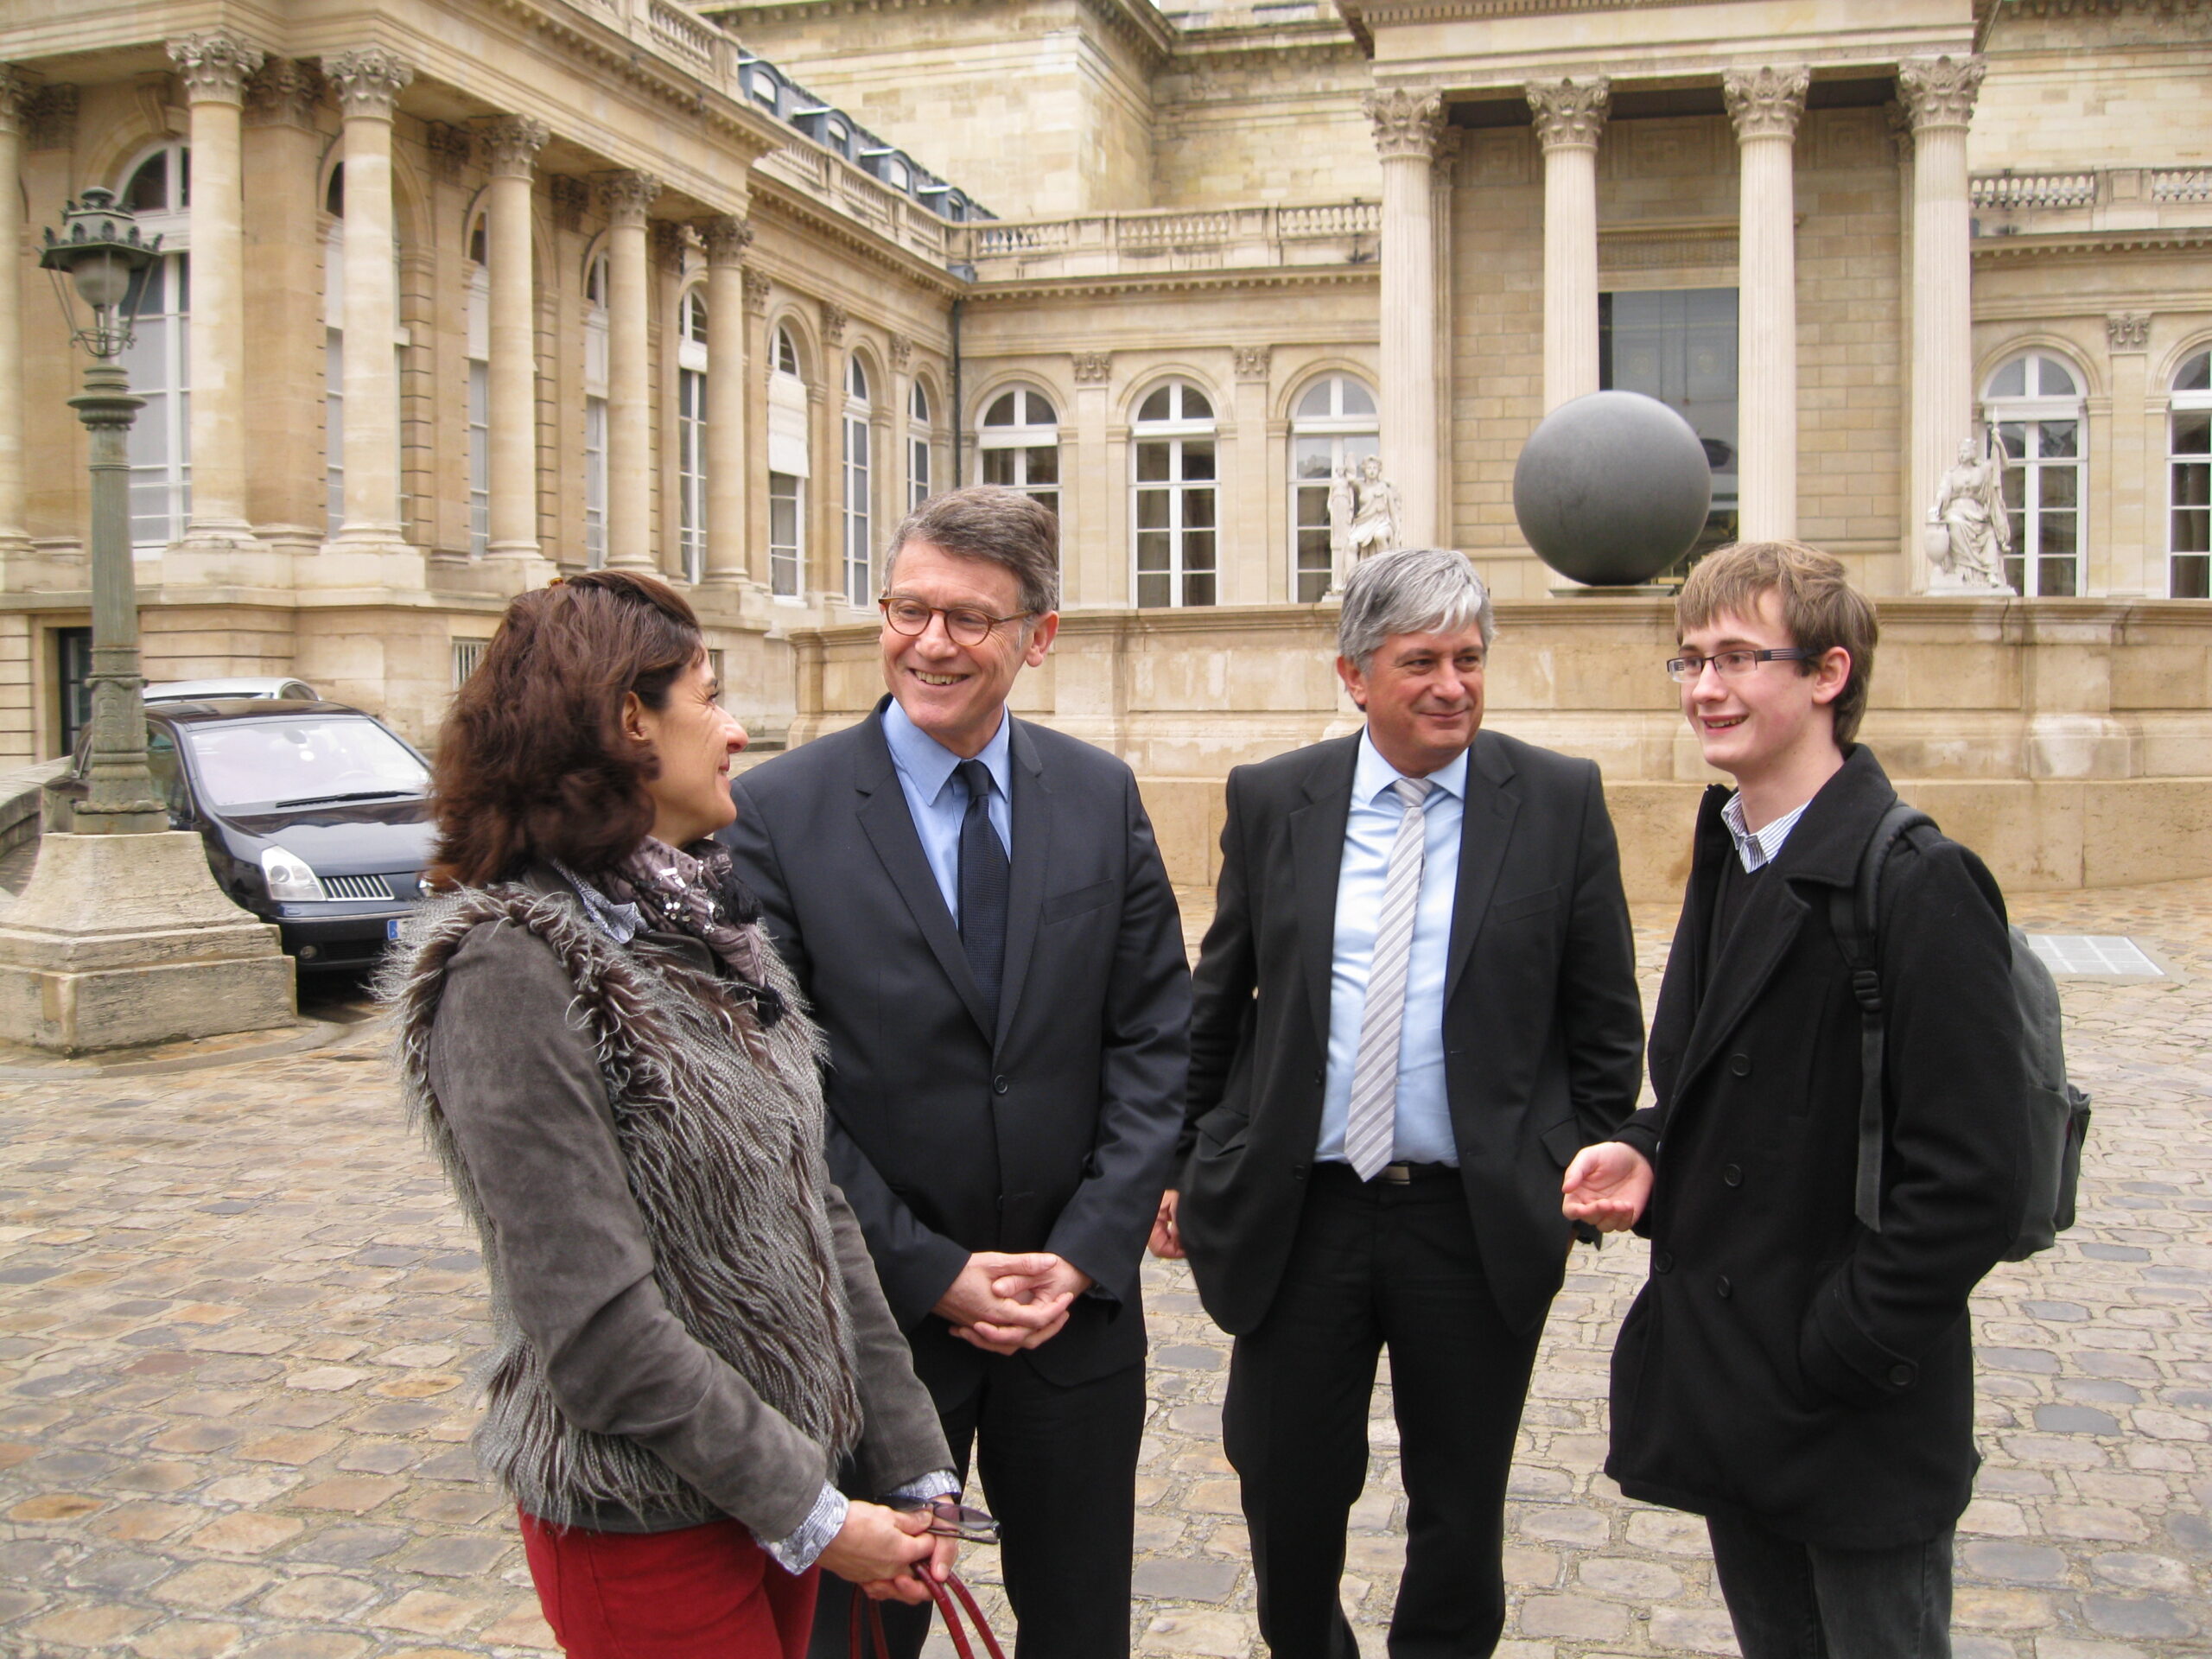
(1332, 430)
(2034, 405)
(333, 357)
(2188, 565)
(595, 326)
(917, 446)
(789, 466)
(858, 411)
(480, 393)
(691, 431)
(1020, 444)
(158, 189)
(1174, 464)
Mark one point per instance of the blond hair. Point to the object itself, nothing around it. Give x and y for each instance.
(1819, 607)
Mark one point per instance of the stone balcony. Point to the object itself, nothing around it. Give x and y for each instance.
(2093, 199)
(830, 180)
(1150, 244)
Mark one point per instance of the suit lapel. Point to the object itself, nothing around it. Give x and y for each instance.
(1032, 842)
(1485, 829)
(890, 829)
(1763, 935)
(1317, 857)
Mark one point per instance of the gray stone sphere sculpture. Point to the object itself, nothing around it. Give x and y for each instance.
(1612, 488)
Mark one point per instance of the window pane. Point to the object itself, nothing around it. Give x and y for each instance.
(1198, 459)
(1315, 403)
(2192, 484)
(1198, 509)
(1195, 406)
(2012, 380)
(1041, 412)
(1197, 550)
(1155, 407)
(1049, 497)
(1310, 458)
(1151, 590)
(1041, 466)
(1151, 550)
(2056, 534)
(2016, 488)
(2196, 376)
(2192, 531)
(2191, 577)
(2193, 432)
(1152, 508)
(2014, 568)
(1356, 402)
(2013, 437)
(149, 189)
(2053, 379)
(1312, 548)
(2055, 578)
(1198, 588)
(1151, 462)
(2059, 438)
(1001, 466)
(2056, 487)
(1000, 413)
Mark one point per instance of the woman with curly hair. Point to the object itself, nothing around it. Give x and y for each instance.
(689, 1341)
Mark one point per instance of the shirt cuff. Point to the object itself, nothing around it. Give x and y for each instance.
(941, 1483)
(804, 1547)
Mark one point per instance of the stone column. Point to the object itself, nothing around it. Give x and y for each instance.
(1938, 94)
(15, 537)
(629, 391)
(1408, 125)
(754, 381)
(369, 82)
(1766, 104)
(729, 468)
(1570, 114)
(214, 67)
(512, 143)
(2127, 550)
(286, 498)
(1095, 570)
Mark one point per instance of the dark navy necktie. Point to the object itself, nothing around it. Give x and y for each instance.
(982, 886)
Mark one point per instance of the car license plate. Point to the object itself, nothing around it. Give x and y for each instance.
(392, 928)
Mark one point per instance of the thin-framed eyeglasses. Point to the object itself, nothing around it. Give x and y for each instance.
(950, 1518)
(963, 624)
(1734, 664)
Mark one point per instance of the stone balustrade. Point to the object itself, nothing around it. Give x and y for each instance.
(2091, 198)
(1106, 244)
(830, 180)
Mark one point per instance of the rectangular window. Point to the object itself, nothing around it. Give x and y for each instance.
(594, 482)
(691, 470)
(159, 365)
(466, 653)
(784, 526)
(1679, 346)
(918, 471)
(2190, 574)
(858, 553)
(2043, 498)
(1175, 522)
(72, 663)
(480, 458)
(333, 429)
(1034, 470)
(1314, 462)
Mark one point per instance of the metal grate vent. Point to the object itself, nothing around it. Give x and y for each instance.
(2094, 956)
(357, 887)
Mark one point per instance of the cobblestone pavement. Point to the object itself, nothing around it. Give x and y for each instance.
(237, 1307)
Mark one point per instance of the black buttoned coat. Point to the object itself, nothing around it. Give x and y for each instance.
(1782, 1365)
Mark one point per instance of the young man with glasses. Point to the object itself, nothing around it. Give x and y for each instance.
(1801, 1377)
(978, 915)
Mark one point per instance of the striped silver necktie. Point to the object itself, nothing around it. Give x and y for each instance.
(1370, 1126)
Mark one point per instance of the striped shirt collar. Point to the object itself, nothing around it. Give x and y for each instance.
(1762, 846)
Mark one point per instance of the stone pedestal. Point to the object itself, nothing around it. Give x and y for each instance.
(121, 941)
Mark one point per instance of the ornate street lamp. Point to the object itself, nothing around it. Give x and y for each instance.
(99, 257)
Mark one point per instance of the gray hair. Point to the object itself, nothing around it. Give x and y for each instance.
(1419, 590)
(1001, 526)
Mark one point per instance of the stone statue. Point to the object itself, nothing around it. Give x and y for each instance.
(1365, 511)
(1968, 528)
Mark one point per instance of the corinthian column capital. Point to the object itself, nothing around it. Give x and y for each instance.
(626, 196)
(1939, 91)
(1570, 113)
(1407, 123)
(369, 80)
(727, 239)
(284, 92)
(512, 143)
(15, 98)
(214, 65)
(1766, 102)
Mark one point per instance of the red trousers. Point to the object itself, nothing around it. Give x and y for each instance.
(699, 1592)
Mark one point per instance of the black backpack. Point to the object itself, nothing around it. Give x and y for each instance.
(2058, 1113)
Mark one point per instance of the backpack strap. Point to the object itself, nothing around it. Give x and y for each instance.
(1854, 916)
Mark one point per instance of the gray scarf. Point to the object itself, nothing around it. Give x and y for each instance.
(719, 1124)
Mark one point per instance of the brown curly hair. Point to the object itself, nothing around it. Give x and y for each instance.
(531, 761)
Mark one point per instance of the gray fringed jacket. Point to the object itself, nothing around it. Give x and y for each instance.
(685, 1320)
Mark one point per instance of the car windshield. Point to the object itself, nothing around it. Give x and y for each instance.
(253, 761)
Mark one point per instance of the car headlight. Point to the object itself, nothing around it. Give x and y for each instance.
(289, 877)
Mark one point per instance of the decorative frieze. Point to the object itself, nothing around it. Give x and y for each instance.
(1570, 113)
(1092, 368)
(727, 239)
(625, 197)
(512, 143)
(1765, 102)
(214, 65)
(757, 288)
(285, 93)
(1939, 91)
(2128, 331)
(50, 119)
(1407, 123)
(369, 80)
(1252, 361)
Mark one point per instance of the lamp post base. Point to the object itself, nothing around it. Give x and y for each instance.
(121, 941)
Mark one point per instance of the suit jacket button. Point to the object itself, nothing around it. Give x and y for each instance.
(998, 1085)
(1723, 1288)
(1298, 1171)
(1901, 1375)
(1732, 1174)
(1740, 1064)
(1662, 1262)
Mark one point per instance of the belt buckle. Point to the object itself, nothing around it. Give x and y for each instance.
(1397, 1174)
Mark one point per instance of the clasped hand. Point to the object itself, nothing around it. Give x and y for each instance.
(885, 1552)
(1003, 1304)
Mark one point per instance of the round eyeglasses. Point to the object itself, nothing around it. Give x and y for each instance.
(1734, 664)
(963, 625)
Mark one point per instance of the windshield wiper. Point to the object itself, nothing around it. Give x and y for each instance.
(357, 795)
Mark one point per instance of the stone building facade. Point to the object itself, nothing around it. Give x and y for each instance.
(718, 289)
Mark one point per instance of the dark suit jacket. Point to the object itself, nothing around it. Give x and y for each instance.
(1782, 1362)
(1543, 1029)
(1056, 1130)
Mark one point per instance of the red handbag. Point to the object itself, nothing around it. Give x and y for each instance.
(952, 1597)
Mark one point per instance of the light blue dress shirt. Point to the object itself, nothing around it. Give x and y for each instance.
(1424, 1132)
(936, 800)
